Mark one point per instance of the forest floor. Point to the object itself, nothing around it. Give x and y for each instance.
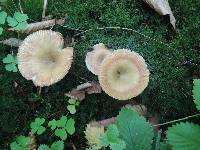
(173, 58)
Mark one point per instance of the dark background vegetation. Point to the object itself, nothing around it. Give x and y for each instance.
(173, 60)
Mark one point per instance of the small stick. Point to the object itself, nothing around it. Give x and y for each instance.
(44, 8)
(20, 7)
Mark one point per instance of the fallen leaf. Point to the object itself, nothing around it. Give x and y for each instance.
(76, 94)
(13, 42)
(33, 27)
(79, 92)
(162, 7)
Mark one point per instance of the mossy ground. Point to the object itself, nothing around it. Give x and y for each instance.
(173, 60)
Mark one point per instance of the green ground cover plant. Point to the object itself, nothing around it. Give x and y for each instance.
(172, 57)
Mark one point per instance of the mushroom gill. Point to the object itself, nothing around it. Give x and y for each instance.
(42, 58)
(95, 58)
(124, 74)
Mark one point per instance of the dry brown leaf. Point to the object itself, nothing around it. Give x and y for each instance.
(85, 88)
(13, 42)
(162, 7)
(33, 27)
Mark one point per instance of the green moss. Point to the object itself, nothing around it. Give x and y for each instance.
(173, 60)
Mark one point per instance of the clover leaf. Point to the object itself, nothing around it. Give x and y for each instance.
(73, 103)
(21, 143)
(3, 16)
(36, 126)
(59, 145)
(18, 21)
(11, 62)
(62, 127)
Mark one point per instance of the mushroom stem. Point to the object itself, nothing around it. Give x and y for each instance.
(40, 90)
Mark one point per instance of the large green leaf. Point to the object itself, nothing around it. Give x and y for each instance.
(136, 132)
(184, 136)
(196, 93)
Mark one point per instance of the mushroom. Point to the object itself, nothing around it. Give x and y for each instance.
(94, 58)
(124, 74)
(93, 133)
(42, 59)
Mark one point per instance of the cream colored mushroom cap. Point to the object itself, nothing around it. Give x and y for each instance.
(42, 59)
(94, 58)
(124, 74)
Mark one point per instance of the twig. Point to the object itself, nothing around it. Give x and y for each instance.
(44, 8)
(20, 7)
(121, 28)
(173, 121)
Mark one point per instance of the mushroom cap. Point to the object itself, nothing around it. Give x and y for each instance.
(124, 74)
(94, 58)
(42, 59)
(93, 133)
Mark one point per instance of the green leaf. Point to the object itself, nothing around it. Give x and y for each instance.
(23, 141)
(72, 101)
(12, 22)
(62, 122)
(39, 121)
(77, 103)
(15, 146)
(184, 136)
(61, 133)
(1, 30)
(134, 130)
(3, 16)
(104, 140)
(71, 109)
(59, 145)
(196, 93)
(11, 67)
(70, 126)
(43, 147)
(20, 17)
(41, 130)
(21, 26)
(52, 124)
(34, 127)
(9, 59)
(120, 145)
(112, 133)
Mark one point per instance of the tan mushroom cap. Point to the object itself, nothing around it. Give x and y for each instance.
(42, 59)
(124, 74)
(94, 58)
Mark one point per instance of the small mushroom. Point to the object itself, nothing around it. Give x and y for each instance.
(93, 133)
(123, 74)
(94, 58)
(42, 59)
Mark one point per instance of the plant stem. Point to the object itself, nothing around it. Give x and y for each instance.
(161, 124)
(126, 29)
